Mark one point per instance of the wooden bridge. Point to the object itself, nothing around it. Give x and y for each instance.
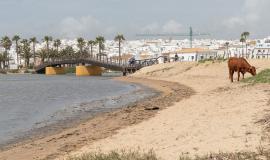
(107, 63)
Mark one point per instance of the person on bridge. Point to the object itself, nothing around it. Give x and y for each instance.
(132, 61)
(176, 57)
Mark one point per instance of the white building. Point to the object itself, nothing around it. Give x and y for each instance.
(192, 54)
(262, 48)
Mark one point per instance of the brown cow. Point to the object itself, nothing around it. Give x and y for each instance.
(240, 65)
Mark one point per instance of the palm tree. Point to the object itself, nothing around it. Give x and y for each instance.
(57, 44)
(91, 43)
(119, 38)
(16, 38)
(68, 52)
(47, 40)
(34, 41)
(1, 60)
(245, 35)
(227, 47)
(100, 41)
(242, 40)
(42, 54)
(26, 52)
(81, 44)
(6, 43)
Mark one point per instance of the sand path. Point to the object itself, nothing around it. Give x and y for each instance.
(220, 117)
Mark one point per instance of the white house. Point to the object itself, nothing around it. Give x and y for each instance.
(193, 54)
(262, 49)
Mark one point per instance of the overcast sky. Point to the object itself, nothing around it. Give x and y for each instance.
(223, 19)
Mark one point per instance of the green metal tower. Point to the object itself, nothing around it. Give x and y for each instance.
(190, 35)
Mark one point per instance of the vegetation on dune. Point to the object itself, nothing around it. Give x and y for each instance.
(137, 155)
(232, 156)
(219, 60)
(115, 155)
(262, 77)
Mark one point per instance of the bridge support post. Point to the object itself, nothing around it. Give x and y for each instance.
(88, 71)
(54, 70)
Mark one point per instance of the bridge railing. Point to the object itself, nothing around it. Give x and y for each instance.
(103, 61)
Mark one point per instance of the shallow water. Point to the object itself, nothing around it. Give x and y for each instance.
(28, 102)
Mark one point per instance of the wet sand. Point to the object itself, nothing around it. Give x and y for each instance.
(101, 126)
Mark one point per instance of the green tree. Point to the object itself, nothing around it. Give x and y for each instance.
(245, 36)
(34, 41)
(42, 54)
(26, 52)
(1, 60)
(16, 39)
(91, 43)
(81, 44)
(6, 43)
(242, 40)
(119, 38)
(227, 47)
(68, 52)
(100, 41)
(47, 40)
(57, 44)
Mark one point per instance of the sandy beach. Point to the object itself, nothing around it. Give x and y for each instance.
(198, 112)
(220, 117)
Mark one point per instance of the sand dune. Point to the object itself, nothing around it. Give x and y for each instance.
(221, 116)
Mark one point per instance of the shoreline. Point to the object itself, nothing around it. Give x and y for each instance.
(102, 125)
(81, 113)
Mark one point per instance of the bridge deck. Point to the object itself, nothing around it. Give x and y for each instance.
(106, 63)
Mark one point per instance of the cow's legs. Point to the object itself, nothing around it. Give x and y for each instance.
(231, 75)
(238, 73)
(243, 75)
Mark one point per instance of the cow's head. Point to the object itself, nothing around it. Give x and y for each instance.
(252, 70)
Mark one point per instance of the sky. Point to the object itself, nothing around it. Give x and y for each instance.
(222, 19)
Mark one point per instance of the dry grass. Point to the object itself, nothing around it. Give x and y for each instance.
(118, 155)
(261, 154)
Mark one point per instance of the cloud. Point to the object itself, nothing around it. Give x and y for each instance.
(170, 26)
(234, 22)
(86, 26)
(151, 28)
(253, 15)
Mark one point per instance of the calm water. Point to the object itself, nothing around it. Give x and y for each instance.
(33, 101)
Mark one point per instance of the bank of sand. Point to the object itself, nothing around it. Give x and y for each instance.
(221, 116)
(101, 126)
